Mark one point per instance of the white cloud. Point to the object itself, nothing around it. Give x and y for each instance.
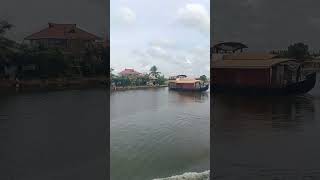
(164, 43)
(157, 52)
(172, 60)
(127, 15)
(188, 62)
(173, 41)
(195, 16)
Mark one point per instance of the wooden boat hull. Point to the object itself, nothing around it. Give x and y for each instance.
(296, 88)
(201, 89)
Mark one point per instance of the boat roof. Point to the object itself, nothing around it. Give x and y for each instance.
(186, 80)
(249, 56)
(249, 64)
(229, 46)
(249, 60)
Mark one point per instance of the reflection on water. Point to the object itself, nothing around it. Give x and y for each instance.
(53, 135)
(185, 97)
(158, 133)
(266, 137)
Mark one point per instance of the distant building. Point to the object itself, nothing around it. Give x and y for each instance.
(130, 72)
(67, 37)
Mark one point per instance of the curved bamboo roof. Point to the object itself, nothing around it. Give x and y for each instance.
(228, 46)
(187, 80)
(249, 56)
(249, 60)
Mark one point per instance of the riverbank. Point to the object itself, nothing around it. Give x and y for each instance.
(136, 87)
(52, 84)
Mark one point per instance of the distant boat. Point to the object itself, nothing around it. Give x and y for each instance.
(183, 83)
(259, 73)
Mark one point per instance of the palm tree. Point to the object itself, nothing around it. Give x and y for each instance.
(204, 78)
(111, 73)
(6, 45)
(4, 27)
(154, 71)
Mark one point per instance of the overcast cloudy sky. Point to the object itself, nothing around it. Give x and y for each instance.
(30, 16)
(173, 35)
(266, 24)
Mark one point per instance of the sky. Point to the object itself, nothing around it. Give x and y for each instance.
(173, 35)
(266, 24)
(31, 16)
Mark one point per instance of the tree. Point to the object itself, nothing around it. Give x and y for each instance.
(6, 45)
(161, 80)
(111, 73)
(204, 78)
(4, 27)
(298, 51)
(154, 71)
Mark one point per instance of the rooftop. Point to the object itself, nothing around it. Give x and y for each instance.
(62, 31)
(249, 56)
(187, 80)
(248, 64)
(127, 72)
(248, 60)
(228, 46)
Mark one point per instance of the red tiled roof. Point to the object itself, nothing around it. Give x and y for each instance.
(127, 72)
(62, 31)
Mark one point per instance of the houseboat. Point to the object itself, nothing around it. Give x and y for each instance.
(259, 73)
(183, 83)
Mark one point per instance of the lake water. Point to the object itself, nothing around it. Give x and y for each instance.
(159, 133)
(53, 135)
(266, 137)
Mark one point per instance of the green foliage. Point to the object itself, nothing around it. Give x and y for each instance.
(161, 80)
(134, 80)
(7, 46)
(204, 78)
(48, 63)
(121, 81)
(154, 71)
(4, 27)
(298, 51)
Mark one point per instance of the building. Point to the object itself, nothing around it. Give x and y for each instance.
(130, 72)
(67, 37)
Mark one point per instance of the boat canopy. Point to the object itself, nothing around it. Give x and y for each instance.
(228, 47)
(187, 80)
(249, 56)
(249, 64)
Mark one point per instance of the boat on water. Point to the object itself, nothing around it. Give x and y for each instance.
(183, 83)
(257, 73)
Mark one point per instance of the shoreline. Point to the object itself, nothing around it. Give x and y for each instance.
(52, 84)
(60, 84)
(136, 87)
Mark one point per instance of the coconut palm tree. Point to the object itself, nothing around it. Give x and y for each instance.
(6, 45)
(154, 71)
(4, 27)
(204, 78)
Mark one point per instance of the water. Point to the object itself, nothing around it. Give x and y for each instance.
(267, 137)
(53, 135)
(157, 133)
